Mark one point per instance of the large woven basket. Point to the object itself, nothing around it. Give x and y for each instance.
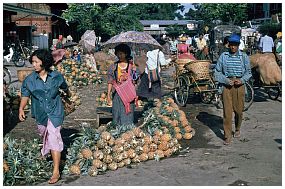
(200, 69)
(23, 73)
(180, 63)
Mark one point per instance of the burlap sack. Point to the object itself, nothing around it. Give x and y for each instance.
(270, 73)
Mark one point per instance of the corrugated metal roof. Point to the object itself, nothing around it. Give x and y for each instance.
(166, 22)
(13, 8)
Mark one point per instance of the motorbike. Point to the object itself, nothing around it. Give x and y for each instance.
(15, 56)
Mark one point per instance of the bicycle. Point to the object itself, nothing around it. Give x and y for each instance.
(7, 76)
(248, 99)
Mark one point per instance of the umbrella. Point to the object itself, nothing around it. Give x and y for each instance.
(70, 44)
(134, 39)
(88, 40)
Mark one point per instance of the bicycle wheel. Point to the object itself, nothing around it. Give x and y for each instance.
(249, 94)
(7, 76)
(18, 60)
(181, 90)
(207, 97)
(273, 92)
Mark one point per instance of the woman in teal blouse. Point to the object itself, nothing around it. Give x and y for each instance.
(42, 86)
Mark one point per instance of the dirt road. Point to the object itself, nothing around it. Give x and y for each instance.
(254, 159)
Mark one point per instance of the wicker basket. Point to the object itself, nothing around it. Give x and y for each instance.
(200, 69)
(23, 73)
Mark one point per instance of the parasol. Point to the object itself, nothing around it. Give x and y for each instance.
(135, 40)
(88, 40)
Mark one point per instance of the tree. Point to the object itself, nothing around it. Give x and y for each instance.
(228, 13)
(105, 19)
(109, 19)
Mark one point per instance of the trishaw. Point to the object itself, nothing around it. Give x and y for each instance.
(193, 76)
(196, 77)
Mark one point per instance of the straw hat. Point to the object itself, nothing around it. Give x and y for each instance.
(183, 38)
(279, 34)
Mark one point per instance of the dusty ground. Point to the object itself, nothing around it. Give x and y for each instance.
(254, 159)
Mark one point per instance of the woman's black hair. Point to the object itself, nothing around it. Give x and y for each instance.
(45, 56)
(127, 50)
(124, 48)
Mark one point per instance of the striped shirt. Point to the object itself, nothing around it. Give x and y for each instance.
(234, 66)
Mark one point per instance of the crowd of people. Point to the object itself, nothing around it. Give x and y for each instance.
(126, 84)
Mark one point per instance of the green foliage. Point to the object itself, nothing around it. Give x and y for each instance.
(228, 13)
(25, 163)
(270, 28)
(108, 19)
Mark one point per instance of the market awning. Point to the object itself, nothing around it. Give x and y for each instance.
(14, 8)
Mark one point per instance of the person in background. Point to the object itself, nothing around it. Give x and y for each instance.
(59, 44)
(201, 45)
(183, 50)
(225, 47)
(43, 86)
(118, 74)
(241, 45)
(278, 47)
(76, 56)
(155, 59)
(266, 44)
(173, 45)
(232, 72)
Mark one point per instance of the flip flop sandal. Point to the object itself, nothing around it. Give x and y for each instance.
(54, 179)
(237, 134)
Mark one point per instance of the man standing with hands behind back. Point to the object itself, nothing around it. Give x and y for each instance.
(233, 71)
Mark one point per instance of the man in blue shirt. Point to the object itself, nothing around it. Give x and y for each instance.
(232, 72)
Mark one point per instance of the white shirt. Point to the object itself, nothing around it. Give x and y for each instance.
(266, 43)
(241, 45)
(152, 59)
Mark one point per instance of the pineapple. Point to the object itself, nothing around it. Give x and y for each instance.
(145, 148)
(147, 139)
(6, 167)
(131, 153)
(188, 129)
(127, 161)
(98, 154)
(86, 153)
(125, 154)
(106, 136)
(119, 141)
(138, 132)
(178, 136)
(177, 129)
(139, 150)
(118, 148)
(151, 155)
(107, 159)
(143, 157)
(168, 152)
(75, 169)
(166, 137)
(111, 142)
(97, 163)
(93, 171)
(121, 164)
(117, 157)
(113, 166)
(101, 144)
(187, 136)
(152, 147)
(158, 154)
(163, 146)
(136, 159)
(107, 150)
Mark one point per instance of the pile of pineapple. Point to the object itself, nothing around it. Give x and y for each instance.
(97, 151)
(79, 74)
(110, 148)
(22, 162)
(166, 115)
